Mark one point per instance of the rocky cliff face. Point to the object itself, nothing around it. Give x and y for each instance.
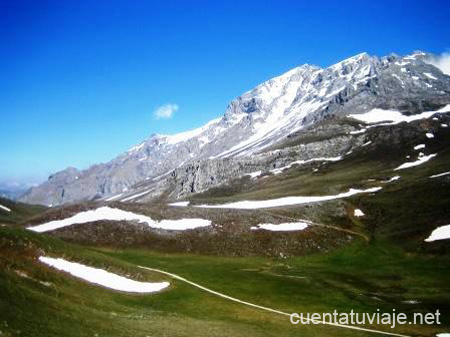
(253, 123)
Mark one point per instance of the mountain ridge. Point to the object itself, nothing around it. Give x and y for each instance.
(259, 118)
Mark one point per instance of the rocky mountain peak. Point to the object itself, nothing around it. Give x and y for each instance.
(261, 117)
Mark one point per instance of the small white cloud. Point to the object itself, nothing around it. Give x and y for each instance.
(165, 111)
(441, 61)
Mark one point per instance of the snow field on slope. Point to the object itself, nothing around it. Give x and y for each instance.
(102, 277)
(115, 214)
(5, 208)
(440, 233)
(288, 201)
(282, 227)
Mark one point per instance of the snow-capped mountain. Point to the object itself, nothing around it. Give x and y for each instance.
(258, 119)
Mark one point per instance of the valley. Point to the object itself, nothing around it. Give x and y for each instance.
(325, 200)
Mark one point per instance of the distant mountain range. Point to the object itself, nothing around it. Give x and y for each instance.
(13, 191)
(251, 133)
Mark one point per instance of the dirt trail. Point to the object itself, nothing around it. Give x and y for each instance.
(267, 308)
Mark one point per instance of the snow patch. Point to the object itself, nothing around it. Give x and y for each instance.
(403, 63)
(288, 201)
(301, 162)
(419, 147)
(102, 277)
(162, 175)
(137, 195)
(115, 214)
(430, 76)
(394, 178)
(394, 116)
(335, 92)
(254, 175)
(440, 175)
(418, 162)
(357, 132)
(358, 213)
(282, 227)
(429, 135)
(398, 78)
(187, 135)
(440, 233)
(137, 147)
(114, 197)
(5, 208)
(179, 204)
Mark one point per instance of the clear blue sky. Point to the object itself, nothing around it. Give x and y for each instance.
(80, 80)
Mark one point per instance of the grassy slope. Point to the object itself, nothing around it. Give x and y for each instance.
(363, 277)
(19, 211)
(69, 307)
(405, 211)
(359, 277)
(395, 266)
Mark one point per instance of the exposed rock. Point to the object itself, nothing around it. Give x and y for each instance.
(279, 110)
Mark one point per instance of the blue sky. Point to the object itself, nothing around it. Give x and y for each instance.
(81, 80)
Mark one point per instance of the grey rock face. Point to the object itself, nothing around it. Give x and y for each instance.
(288, 104)
(199, 176)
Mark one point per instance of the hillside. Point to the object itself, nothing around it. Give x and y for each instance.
(319, 190)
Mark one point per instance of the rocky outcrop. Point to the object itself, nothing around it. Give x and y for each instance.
(201, 175)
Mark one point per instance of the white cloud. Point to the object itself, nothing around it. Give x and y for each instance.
(165, 111)
(441, 61)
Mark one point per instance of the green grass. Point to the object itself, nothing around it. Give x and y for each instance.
(348, 278)
(393, 267)
(19, 211)
(69, 307)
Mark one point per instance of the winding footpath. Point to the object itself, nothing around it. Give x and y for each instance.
(266, 308)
